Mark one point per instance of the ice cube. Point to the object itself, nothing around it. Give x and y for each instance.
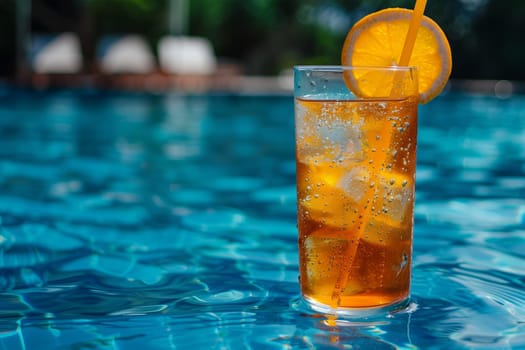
(322, 197)
(395, 194)
(355, 183)
(342, 138)
(324, 253)
(334, 139)
(390, 217)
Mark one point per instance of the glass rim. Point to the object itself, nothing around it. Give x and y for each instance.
(341, 68)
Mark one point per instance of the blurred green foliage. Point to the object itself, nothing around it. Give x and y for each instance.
(267, 36)
(146, 17)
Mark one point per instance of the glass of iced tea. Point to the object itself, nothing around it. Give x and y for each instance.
(356, 161)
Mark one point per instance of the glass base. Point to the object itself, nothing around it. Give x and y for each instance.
(308, 304)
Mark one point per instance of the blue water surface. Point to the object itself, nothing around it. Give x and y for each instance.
(143, 221)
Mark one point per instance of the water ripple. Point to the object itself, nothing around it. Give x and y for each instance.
(214, 220)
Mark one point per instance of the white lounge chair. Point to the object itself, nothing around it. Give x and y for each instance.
(186, 55)
(56, 54)
(125, 54)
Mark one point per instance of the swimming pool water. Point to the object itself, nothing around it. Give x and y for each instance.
(167, 221)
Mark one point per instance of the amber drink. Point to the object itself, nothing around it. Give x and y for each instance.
(356, 160)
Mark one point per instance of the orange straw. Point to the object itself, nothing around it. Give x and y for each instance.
(410, 40)
(377, 158)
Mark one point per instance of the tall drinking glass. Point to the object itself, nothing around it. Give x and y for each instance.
(356, 161)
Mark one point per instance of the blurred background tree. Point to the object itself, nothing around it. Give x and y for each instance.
(267, 36)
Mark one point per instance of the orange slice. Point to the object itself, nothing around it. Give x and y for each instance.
(377, 41)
